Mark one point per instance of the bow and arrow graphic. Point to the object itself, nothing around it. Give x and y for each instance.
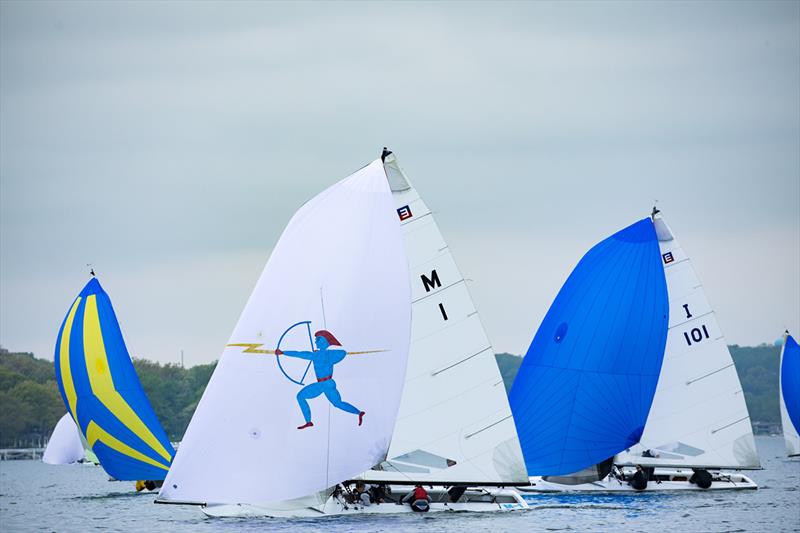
(328, 353)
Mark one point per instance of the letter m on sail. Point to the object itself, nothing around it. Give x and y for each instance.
(432, 282)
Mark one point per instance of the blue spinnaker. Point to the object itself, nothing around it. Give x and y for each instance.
(102, 392)
(790, 380)
(586, 384)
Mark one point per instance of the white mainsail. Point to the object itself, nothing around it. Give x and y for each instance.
(64, 446)
(455, 423)
(790, 435)
(339, 266)
(698, 417)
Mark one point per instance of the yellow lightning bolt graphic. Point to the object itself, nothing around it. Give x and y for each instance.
(253, 348)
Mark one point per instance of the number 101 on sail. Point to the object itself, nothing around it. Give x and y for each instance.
(696, 335)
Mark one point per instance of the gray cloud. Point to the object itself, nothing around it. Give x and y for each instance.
(169, 143)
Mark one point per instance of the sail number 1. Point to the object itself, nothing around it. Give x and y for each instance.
(696, 334)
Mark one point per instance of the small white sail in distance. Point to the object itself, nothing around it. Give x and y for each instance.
(698, 416)
(65, 446)
(455, 423)
(339, 266)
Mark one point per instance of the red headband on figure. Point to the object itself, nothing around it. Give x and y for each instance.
(328, 336)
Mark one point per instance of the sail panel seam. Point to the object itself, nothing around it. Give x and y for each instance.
(463, 360)
(709, 374)
(487, 427)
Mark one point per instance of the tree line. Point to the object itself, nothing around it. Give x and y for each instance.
(30, 403)
(757, 366)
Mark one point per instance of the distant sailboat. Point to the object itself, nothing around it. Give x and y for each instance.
(790, 394)
(65, 446)
(696, 418)
(102, 393)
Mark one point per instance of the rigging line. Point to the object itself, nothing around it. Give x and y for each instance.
(389, 463)
(459, 362)
(438, 291)
(709, 374)
(328, 452)
(729, 425)
(322, 303)
(487, 427)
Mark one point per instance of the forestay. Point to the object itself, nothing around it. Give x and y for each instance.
(339, 266)
(65, 446)
(586, 384)
(454, 423)
(790, 395)
(101, 391)
(699, 416)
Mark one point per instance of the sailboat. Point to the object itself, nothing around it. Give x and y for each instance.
(650, 378)
(789, 387)
(424, 354)
(454, 429)
(65, 446)
(102, 393)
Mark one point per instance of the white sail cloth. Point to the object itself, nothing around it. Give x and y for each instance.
(698, 416)
(65, 446)
(339, 266)
(455, 423)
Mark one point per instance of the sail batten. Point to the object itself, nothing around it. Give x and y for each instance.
(586, 384)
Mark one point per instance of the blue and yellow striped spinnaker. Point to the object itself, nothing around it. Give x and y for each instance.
(101, 391)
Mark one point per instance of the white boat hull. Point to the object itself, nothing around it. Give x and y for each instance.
(473, 501)
(668, 480)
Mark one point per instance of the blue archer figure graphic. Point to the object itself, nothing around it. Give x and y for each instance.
(329, 352)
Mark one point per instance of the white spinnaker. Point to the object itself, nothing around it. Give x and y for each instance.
(64, 446)
(454, 409)
(699, 416)
(339, 264)
(790, 436)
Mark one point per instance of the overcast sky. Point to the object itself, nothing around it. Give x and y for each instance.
(168, 145)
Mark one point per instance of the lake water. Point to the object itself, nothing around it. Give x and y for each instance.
(38, 497)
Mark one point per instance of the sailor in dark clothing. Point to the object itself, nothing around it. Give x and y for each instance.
(639, 479)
